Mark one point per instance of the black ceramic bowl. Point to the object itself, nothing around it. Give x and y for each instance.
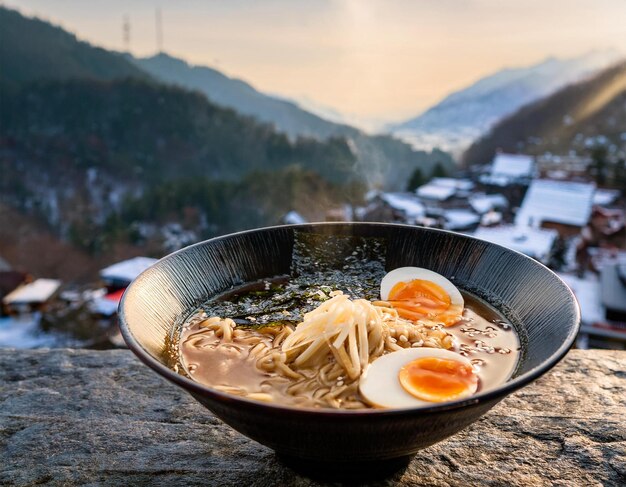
(530, 295)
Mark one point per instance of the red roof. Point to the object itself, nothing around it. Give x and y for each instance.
(115, 296)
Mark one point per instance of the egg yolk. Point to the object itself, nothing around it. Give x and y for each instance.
(438, 380)
(418, 299)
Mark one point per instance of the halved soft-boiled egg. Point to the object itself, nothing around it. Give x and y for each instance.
(421, 294)
(417, 377)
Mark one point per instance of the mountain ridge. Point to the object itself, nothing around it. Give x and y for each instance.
(464, 115)
(63, 56)
(237, 94)
(381, 161)
(376, 154)
(563, 121)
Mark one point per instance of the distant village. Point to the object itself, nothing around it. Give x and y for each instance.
(84, 317)
(544, 207)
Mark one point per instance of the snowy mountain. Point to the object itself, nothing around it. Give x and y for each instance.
(575, 118)
(465, 115)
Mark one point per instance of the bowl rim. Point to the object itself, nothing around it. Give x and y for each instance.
(495, 394)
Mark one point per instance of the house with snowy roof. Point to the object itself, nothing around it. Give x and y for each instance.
(121, 274)
(602, 305)
(537, 243)
(431, 191)
(442, 189)
(460, 219)
(606, 197)
(483, 203)
(507, 169)
(561, 205)
(31, 296)
(589, 296)
(459, 184)
(394, 207)
(406, 204)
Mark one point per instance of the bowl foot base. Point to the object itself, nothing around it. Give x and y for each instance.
(351, 471)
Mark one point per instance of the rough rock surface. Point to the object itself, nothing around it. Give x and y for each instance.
(72, 417)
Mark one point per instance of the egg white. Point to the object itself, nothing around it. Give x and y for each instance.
(380, 386)
(408, 274)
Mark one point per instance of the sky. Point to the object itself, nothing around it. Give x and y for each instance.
(384, 60)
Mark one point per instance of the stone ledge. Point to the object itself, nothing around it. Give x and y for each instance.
(102, 418)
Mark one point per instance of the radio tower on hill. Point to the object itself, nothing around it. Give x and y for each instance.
(159, 30)
(126, 33)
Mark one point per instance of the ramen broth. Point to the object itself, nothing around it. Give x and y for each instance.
(488, 340)
(265, 309)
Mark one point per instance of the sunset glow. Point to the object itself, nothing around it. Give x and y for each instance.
(375, 59)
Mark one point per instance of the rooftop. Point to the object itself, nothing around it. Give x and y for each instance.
(405, 202)
(605, 197)
(462, 184)
(433, 191)
(491, 218)
(127, 270)
(482, 203)
(513, 166)
(440, 189)
(613, 284)
(534, 242)
(501, 181)
(38, 291)
(460, 219)
(587, 292)
(556, 201)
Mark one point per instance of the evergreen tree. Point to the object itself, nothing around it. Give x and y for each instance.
(416, 180)
(439, 171)
(619, 175)
(598, 166)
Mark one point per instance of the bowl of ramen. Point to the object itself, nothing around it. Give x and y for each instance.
(348, 342)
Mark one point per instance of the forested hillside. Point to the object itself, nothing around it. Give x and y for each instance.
(31, 49)
(381, 160)
(105, 157)
(80, 151)
(133, 128)
(563, 121)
